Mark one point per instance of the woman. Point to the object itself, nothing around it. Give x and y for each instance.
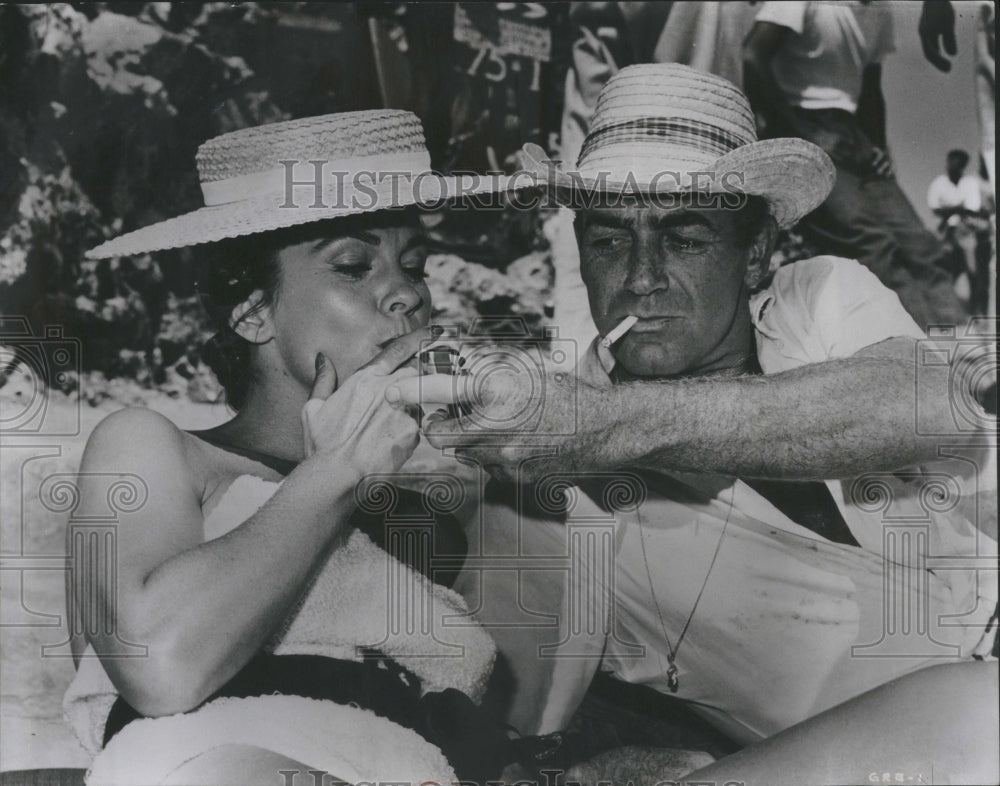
(247, 566)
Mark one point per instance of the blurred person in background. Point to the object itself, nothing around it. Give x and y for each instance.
(956, 199)
(813, 70)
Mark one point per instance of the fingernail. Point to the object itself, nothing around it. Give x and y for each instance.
(392, 394)
(320, 362)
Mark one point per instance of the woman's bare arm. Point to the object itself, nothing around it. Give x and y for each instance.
(204, 609)
(201, 609)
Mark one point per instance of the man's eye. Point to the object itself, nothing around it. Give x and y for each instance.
(609, 243)
(685, 244)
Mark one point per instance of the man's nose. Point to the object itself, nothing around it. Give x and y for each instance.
(647, 269)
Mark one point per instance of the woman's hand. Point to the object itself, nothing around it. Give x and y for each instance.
(352, 423)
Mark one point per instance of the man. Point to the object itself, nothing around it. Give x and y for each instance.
(956, 199)
(954, 193)
(691, 567)
(813, 70)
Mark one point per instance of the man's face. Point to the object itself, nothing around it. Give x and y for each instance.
(683, 272)
(956, 166)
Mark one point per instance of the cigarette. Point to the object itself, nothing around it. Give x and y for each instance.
(620, 330)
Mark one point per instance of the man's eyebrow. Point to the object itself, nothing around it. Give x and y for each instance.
(679, 218)
(608, 220)
(682, 218)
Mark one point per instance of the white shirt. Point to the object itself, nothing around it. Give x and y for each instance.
(944, 194)
(789, 623)
(820, 65)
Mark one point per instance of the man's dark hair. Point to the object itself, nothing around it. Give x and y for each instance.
(960, 157)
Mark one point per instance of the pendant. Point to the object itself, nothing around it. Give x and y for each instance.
(672, 681)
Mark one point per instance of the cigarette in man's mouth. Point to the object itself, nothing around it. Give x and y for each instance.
(620, 330)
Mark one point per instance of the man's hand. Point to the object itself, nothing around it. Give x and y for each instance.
(937, 28)
(881, 163)
(520, 427)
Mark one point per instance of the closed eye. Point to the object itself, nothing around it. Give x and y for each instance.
(354, 271)
(415, 264)
(415, 272)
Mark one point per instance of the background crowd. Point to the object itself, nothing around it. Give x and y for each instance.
(104, 104)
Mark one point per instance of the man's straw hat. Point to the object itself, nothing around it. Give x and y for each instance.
(291, 173)
(668, 129)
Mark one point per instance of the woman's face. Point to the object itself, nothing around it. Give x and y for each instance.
(347, 295)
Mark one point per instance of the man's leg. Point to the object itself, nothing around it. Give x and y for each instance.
(930, 262)
(864, 219)
(869, 219)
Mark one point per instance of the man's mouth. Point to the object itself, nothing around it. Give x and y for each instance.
(651, 324)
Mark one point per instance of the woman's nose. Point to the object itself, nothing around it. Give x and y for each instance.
(402, 298)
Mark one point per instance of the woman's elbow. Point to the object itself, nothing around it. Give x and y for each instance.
(164, 682)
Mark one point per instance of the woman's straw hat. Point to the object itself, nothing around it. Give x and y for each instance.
(295, 172)
(667, 128)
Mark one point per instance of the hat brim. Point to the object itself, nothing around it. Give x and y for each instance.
(792, 175)
(276, 211)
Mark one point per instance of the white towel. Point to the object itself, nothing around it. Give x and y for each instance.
(352, 744)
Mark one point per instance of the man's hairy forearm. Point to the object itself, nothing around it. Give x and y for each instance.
(637, 765)
(828, 420)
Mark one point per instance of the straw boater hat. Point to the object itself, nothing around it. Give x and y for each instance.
(656, 125)
(370, 160)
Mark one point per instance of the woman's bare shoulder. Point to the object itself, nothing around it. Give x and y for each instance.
(133, 430)
(141, 441)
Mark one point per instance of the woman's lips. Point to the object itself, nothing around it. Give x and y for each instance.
(383, 344)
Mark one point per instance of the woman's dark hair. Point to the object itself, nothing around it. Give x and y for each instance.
(235, 268)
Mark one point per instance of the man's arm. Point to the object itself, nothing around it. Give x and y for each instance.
(871, 105)
(758, 78)
(826, 420)
(937, 29)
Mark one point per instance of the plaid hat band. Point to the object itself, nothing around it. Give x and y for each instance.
(695, 134)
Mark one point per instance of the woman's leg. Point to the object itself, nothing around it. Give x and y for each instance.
(937, 725)
(246, 764)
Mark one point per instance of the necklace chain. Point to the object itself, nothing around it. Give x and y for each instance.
(673, 679)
